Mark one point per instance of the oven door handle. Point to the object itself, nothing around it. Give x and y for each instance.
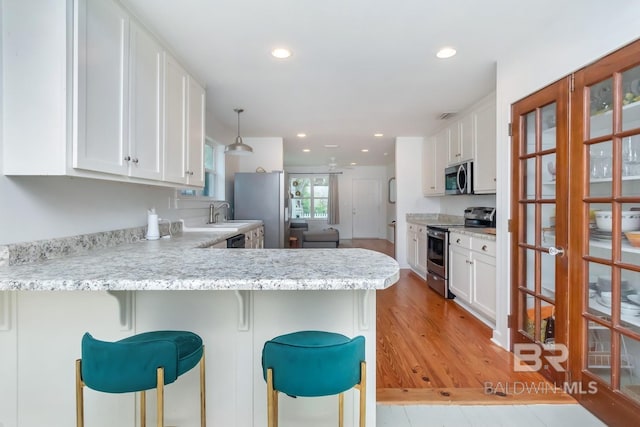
(436, 234)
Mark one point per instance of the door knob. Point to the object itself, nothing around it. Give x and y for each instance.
(556, 251)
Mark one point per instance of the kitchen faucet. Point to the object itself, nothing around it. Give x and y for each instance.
(213, 215)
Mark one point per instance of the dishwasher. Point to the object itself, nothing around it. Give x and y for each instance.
(236, 241)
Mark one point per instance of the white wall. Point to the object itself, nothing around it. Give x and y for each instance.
(409, 190)
(391, 207)
(560, 48)
(345, 188)
(268, 154)
(455, 205)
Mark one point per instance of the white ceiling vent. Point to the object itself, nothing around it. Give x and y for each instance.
(446, 116)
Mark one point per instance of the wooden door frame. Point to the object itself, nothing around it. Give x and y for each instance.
(613, 406)
(557, 92)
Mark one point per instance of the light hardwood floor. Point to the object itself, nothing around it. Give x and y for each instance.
(430, 350)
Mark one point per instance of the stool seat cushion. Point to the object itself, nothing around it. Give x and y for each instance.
(313, 363)
(130, 364)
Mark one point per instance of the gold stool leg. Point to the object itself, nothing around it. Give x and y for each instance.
(160, 389)
(363, 394)
(79, 395)
(143, 408)
(341, 409)
(203, 400)
(275, 407)
(271, 419)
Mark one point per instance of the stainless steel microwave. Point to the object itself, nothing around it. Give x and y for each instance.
(458, 179)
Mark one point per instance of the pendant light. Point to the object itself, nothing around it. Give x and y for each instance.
(238, 148)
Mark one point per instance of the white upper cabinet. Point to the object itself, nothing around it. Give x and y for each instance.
(145, 154)
(460, 146)
(484, 123)
(471, 138)
(184, 111)
(98, 109)
(434, 162)
(195, 133)
(102, 81)
(175, 109)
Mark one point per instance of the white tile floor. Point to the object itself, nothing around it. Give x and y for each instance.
(490, 415)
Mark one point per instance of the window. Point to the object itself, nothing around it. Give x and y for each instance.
(309, 196)
(213, 172)
(209, 169)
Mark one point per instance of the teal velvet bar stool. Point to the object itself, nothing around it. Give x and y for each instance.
(311, 364)
(138, 363)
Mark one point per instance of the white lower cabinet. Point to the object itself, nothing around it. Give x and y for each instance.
(412, 245)
(483, 280)
(417, 248)
(254, 238)
(472, 274)
(460, 273)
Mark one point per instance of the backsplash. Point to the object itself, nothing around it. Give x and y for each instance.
(440, 218)
(40, 250)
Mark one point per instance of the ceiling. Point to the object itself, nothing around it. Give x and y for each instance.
(359, 67)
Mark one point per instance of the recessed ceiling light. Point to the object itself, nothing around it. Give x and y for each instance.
(353, 163)
(446, 52)
(306, 150)
(302, 135)
(281, 53)
(365, 150)
(386, 154)
(378, 135)
(331, 145)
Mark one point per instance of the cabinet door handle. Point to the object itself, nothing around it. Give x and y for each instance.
(458, 241)
(127, 158)
(484, 248)
(135, 160)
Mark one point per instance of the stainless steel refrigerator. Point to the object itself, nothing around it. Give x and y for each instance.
(263, 196)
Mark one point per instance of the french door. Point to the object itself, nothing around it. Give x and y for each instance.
(539, 223)
(605, 205)
(575, 205)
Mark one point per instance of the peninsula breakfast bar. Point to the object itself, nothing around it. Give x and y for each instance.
(236, 299)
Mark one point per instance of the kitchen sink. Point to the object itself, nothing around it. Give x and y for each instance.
(217, 227)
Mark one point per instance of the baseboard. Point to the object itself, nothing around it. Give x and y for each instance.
(503, 394)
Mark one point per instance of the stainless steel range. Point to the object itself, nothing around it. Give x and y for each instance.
(438, 246)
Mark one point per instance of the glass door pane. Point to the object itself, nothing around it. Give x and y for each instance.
(540, 169)
(608, 211)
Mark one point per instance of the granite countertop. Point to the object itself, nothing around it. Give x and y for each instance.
(482, 233)
(434, 219)
(184, 262)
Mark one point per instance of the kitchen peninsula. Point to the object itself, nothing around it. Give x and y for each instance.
(227, 296)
